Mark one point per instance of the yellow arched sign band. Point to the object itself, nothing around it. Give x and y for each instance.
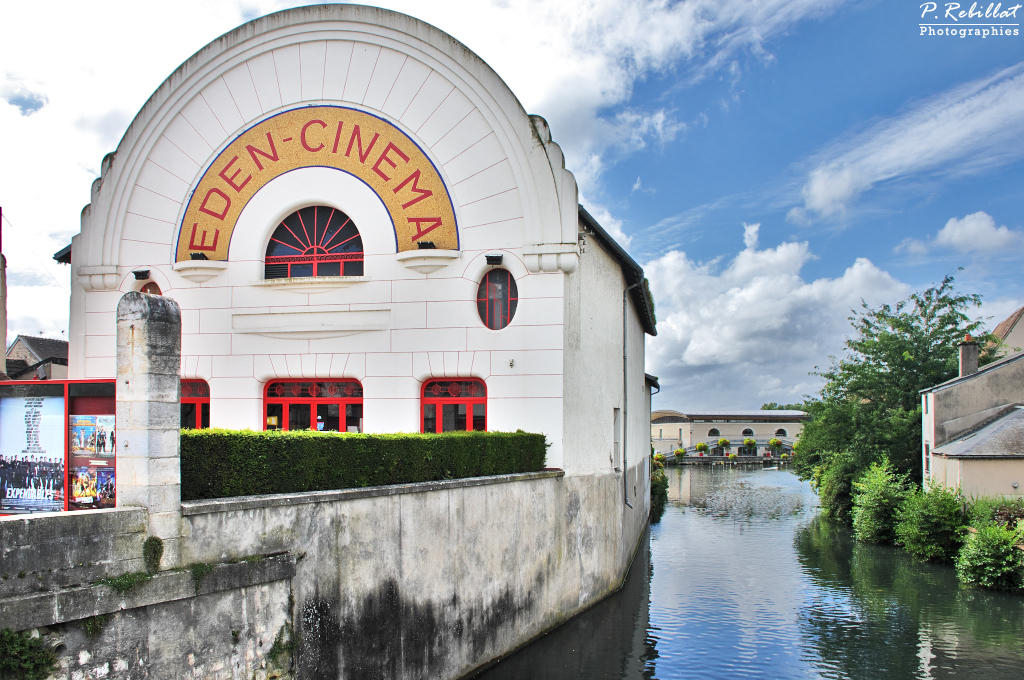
(363, 145)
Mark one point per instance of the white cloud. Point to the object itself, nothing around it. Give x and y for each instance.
(739, 333)
(750, 232)
(911, 246)
(974, 233)
(972, 127)
(978, 232)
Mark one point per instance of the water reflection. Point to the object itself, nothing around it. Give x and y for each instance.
(932, 627)
(742, 579)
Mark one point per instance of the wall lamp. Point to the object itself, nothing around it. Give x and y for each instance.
(141, 274)
(493, 259)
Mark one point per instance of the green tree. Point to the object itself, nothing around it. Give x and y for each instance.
(776, 406)
(869, 406)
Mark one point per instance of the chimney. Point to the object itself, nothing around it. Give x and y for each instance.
(968, 356)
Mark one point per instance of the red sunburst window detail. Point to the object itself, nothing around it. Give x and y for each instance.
(314, 241)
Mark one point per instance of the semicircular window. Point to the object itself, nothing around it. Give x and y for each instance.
(314, 241)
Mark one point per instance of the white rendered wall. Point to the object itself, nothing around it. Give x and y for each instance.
(594, 373)
(395, 326)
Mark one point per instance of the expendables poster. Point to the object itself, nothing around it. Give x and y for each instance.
(31, 454)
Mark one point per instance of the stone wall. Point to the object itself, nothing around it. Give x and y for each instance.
(76, 580)
(429, 580)
(411, 581)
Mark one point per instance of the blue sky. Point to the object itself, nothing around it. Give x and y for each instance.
(769, 163)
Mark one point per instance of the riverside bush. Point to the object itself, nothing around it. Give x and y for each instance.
(1002, 511)
(833, 480)
(219, 463)
(990, 559)
(877, 495)
(659, 493)
(930, 525)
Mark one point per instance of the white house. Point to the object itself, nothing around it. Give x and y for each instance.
(365, 231)
(972, 427)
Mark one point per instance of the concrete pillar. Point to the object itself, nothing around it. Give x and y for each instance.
(148, 414)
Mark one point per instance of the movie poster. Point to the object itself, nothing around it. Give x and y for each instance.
(92, 462)
(31, 454)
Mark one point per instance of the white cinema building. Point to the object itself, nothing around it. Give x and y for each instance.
(365, 231)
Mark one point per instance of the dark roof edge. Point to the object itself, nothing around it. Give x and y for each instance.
(29, 369)
(979, 456)
(63, 255)
(633, 273)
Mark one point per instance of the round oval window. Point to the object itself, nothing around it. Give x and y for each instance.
(497, 298)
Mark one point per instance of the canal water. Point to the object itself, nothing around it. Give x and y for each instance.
(742, 579)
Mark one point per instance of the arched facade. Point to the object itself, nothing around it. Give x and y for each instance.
(401, 128)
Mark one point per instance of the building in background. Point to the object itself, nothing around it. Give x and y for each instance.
(31, 358)
(672, 430)
(1010, 333)
(972, 427)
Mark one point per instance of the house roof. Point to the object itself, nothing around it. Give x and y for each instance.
(63, 255)
(1007, 324)
(44, 348)
(1002, 437)
(633, 273)
(761, 415)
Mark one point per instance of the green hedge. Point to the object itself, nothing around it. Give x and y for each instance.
(219, 463)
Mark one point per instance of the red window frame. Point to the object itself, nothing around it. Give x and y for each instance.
(439, 393)
(497, 308)
(297, 247)
(195, 404)
(289, 397)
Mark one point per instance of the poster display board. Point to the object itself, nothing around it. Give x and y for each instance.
(31, 454)
(91, 448)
